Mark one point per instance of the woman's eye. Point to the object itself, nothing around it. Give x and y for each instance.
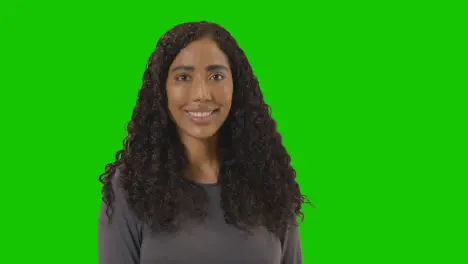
(183, 78)
(217, 77)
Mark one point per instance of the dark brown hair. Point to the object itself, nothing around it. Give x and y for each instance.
(257, 181)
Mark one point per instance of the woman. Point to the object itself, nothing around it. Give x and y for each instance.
(203, 176)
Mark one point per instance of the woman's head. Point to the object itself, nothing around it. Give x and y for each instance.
(199, 89)
(198, 67)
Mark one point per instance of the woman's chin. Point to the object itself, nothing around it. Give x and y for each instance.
(201, 133)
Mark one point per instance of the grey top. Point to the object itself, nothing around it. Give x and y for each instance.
(126, 240)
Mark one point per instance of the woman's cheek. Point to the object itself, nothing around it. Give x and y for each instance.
(178, 95)
(225, 94)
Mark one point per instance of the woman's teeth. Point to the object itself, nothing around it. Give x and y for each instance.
(200, 114)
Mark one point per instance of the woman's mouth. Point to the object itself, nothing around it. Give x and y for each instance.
(201, 117)
(200, 114)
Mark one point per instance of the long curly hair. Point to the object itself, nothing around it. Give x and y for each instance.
(257, 181)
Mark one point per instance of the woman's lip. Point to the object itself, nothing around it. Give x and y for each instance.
(201, 110)
(201, 117)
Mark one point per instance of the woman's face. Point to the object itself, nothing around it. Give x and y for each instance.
(199, 89)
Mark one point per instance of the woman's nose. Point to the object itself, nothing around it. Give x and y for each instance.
(202, 90)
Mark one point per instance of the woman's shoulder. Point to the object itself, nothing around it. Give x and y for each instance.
(116, 184)
(120, 195)
(117, 177)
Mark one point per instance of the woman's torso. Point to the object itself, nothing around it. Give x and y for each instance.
(213, 241)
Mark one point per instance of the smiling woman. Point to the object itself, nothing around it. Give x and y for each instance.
(199, 89)
(203, 176)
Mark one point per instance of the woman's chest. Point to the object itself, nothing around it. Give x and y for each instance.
(211, 243)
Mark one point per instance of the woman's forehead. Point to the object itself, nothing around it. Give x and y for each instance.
(201, 52)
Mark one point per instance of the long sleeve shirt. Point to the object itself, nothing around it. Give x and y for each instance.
(126, 240)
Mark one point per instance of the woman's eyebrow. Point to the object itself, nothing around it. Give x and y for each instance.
(192, 68)
(216, 67)
(183, 67)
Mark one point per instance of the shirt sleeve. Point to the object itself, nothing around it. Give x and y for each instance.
(292, 249)
(119, 240)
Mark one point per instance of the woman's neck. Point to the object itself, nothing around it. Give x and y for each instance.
(203, 158)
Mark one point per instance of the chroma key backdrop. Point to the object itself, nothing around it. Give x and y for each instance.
(368, 96)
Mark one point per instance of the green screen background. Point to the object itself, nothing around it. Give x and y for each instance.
(368, 97)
